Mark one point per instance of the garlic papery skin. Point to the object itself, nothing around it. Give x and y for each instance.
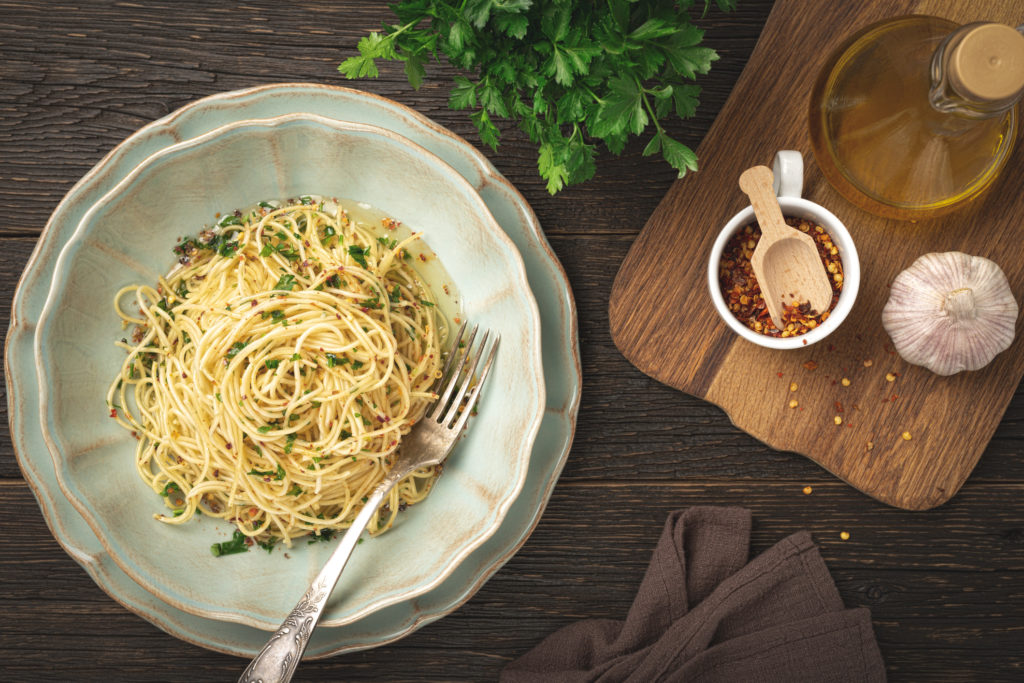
(950, 312)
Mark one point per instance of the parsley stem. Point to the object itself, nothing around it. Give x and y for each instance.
(649, 108)
(591, 93)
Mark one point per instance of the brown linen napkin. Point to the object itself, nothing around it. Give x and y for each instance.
(703, 614)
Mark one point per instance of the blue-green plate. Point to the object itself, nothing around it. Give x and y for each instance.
(547, 281)
(127, 237)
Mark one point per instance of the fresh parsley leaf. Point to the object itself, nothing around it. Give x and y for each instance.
(286, 282)
(576, 76)
(324, 536)
(359, 254)
(463, 95)
(237, 544)
(235, 348)
(277, 474)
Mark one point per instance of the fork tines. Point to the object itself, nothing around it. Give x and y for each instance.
(460, 391)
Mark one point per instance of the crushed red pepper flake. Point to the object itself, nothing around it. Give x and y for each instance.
(743, 294)
(810, 365)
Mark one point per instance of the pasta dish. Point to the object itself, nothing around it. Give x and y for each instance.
(272, 374)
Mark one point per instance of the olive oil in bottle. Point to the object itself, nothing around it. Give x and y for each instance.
(913, 117)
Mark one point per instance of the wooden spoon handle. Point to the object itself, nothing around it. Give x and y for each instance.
(756, 183)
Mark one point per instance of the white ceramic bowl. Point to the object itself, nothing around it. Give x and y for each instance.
(127, 237)
(801, 208)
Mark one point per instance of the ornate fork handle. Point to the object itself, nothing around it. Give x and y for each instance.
(276, 662)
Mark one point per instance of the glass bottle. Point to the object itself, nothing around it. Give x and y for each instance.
(912, 117)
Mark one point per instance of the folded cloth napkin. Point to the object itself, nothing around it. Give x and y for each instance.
(704, 614)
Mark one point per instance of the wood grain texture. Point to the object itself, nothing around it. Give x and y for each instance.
(946, 588)
(945, 611)
(663, 320)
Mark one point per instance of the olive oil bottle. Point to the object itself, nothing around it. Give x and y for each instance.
(913, 117)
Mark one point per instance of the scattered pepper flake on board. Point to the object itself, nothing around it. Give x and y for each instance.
(810, 365)
(889, 377)
(793, 403)
(807, 490)
(870, 445)
(844, 535)
(868, 362)
(907, 436)
(845, 382)
(838, 420)
(792, 386)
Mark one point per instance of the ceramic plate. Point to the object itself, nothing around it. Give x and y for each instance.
(127, 237)
(561, 365)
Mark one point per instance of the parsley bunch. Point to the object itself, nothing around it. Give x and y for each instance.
(572, 73)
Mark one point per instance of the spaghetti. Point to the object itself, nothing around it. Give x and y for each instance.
(272, 374)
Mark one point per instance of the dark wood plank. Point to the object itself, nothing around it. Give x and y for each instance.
(930, 597)
(945, 587)
(75, 81)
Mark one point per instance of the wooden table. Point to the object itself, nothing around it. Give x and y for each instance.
(945, 587)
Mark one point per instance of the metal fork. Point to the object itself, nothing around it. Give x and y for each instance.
(429, 443)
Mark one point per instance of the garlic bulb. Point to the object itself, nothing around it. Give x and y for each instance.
(950, 312)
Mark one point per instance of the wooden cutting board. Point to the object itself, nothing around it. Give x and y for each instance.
(663, 321)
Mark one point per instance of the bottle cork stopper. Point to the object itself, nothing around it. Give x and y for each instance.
(988, 63)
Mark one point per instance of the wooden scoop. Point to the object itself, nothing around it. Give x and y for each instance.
(786, 261)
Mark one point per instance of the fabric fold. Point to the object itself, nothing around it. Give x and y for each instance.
(702, 612)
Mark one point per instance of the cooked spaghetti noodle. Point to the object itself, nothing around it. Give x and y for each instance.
(272, 374)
